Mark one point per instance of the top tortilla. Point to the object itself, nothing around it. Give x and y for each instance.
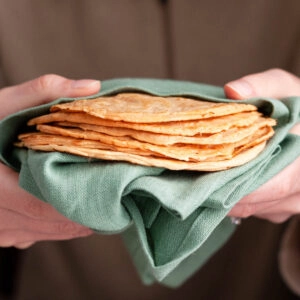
(142, 108)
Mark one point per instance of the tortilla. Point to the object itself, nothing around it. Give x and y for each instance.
(127, 145)
(172, 132)
(184, 152)
(232, 135)
(142, 108)
(171, 164)
(183, 128)
(37, 139)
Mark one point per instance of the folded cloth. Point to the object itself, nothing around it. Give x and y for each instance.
(172, 221)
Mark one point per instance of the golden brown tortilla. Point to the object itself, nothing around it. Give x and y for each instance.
(172, 164)
(142, 108)
(183, 128)
(232, 135)
(171, 132)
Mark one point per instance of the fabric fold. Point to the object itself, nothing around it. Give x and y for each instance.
(172, 222)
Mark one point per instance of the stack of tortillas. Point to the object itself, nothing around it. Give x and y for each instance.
(171, 132)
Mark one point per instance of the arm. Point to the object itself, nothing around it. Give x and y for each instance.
(278, 199)
(25, 219)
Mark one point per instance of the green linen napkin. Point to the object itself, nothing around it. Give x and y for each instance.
(172, 221)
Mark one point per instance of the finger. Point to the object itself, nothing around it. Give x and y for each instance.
(42, 90)
(10, 221)
(282, 185)
(288, 206)
(14, 198)
(18, 237)
(275, 83)
(245, 210)
(274, 218)
(283, 207)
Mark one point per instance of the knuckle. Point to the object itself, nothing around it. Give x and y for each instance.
(284, 75)
(278, 71)
(43, 82)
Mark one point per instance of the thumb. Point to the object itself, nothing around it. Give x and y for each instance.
(42, 90)
(274, 83)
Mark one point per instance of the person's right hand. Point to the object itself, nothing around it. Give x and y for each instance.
(25, 219)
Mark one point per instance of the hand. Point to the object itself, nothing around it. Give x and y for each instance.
(279, 198)
(25, 219)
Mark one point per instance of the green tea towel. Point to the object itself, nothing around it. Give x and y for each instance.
(171, 221)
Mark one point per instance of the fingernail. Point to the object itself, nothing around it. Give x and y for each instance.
(85, 84)
(241, 87)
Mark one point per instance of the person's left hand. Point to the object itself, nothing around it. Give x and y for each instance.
(279, 198)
